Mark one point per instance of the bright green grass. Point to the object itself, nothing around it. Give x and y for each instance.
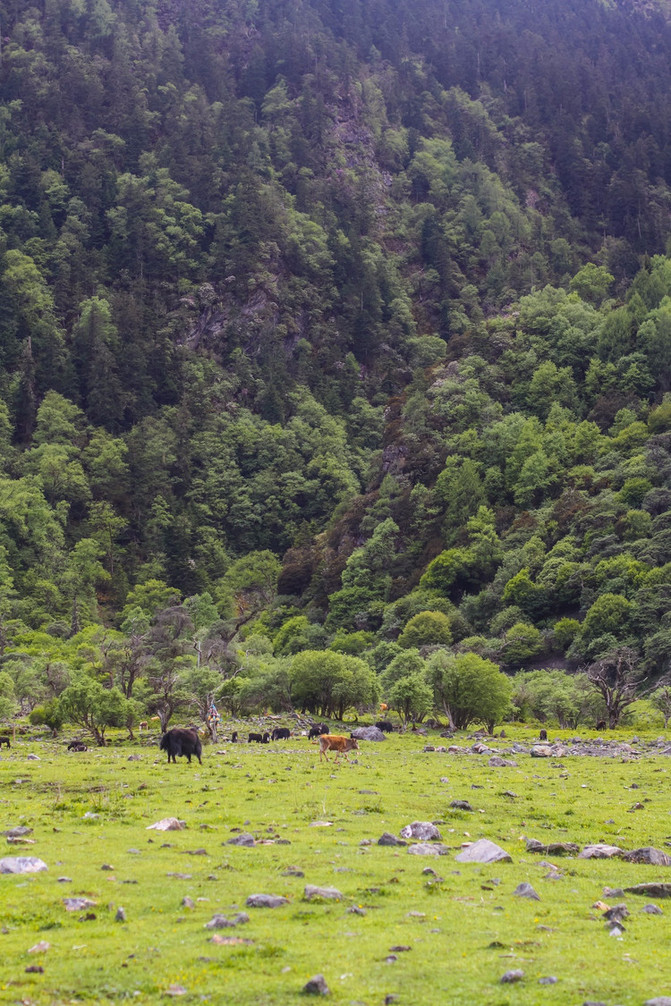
(277, 792)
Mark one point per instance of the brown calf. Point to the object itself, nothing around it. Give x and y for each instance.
(341, 745)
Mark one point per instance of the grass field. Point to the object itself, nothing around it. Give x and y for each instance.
(463, 932)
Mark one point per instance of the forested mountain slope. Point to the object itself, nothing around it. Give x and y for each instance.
(318, 316)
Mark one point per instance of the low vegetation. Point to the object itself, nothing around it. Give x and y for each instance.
(453, 933)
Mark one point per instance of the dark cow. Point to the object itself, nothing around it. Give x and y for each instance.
(317, 730)
(543, 735)
(385, 726)
(234, 737)
(259, 738)
(5, 740)
(77, 746)
(181, 741)
(601, 724)
(281, 734)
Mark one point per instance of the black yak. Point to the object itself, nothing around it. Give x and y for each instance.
(281, 734)
(181, 741)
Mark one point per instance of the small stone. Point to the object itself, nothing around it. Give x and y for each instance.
(316, 986)
(400, 949)
(188, 902)
(64, 880)
(388, 839)
(525, 890)
(19, 832)
(516, 975)
(655, 857)
(658, 1001)
(613, 892)
(175, 990)
(293, 871)
(106, 866)
(651, 890)
(549, 980)
(461, 805)
(34, 969)
(266, 901)
(652, 910)
(356, 910)
(326, 893)
(33, 757)
(120, 914)
(616, 913)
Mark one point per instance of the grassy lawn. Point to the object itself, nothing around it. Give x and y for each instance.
(462, 931)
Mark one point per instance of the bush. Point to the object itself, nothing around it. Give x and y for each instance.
(425, 629)
(469, 688)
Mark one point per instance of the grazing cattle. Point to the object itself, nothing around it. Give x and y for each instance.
(341, 745)
(317, 730)
(259, 738)
(5, 740)
(281, 734)
(77, 746)
(234, 737)
(181, 741)
(601, 724)
(543, 735)
(385, 726)
(143, 725)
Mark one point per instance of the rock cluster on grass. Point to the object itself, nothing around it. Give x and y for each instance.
(223, 922)
(424, 831)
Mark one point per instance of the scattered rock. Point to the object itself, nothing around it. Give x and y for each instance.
(651, 890)
(64, 880)
(540, 751)
(600, 851)
(167, 824)
(266, 901)
(22, 864)
(648, 855)
(327, 893)
(77, 904)
(553, 848)
(652, 910)
(356, 910)
(525, 890)
(425, 831)
(222, 922)
(321, 824)
(658, 1001)
(512, 976)
(19, 832)
(293, 871)
(400, 949)
(549, 980)
(106, 866)
(120, 914)
(388, 839)
(134, 758)
(368, 734)
(425, 849)
(230, 941)
(613, 892)
(483, 851)
(34, 969)
(33, 757)
(188, 902)
(244, 838)
(40, 948)
(316, 986)
(616, 913)
(497, 762)
(461, 805)
(175, 990)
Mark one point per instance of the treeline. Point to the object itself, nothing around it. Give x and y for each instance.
(328, 320)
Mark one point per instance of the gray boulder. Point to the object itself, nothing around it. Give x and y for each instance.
(525, 890)
(600, 851)
(650, 890)
(428, 849)
(386, 838)
(648, 855)
(312, 892)
(483, 851)
(266, 901)
(368, 734)
(316, 986)
(22, 864)
(244, 838)
(424, 831)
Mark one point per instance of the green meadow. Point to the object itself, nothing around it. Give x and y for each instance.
(461, 927)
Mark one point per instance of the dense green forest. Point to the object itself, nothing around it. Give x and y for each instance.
(335, 352)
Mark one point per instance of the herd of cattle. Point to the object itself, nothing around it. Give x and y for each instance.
(185, 742)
